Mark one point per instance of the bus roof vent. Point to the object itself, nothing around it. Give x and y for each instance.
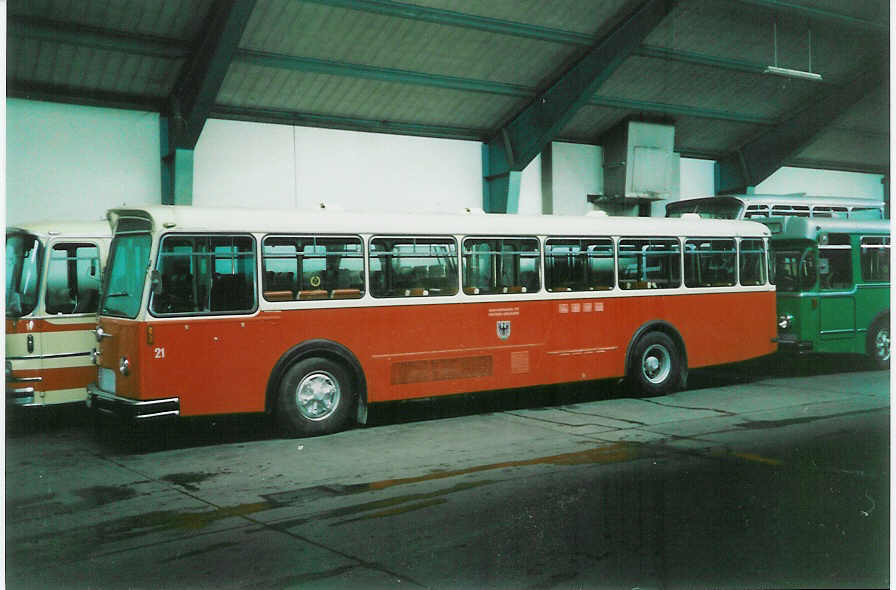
(690, 216)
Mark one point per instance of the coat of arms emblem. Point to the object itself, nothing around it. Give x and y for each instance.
(503, 329)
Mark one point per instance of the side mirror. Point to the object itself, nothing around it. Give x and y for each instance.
(155, 282)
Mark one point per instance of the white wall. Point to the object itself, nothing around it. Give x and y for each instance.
(823, 182)
(66, 161)
(250, 164)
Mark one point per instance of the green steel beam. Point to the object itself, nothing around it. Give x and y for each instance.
(319, 66)
(30, 27)
(517, 143)
(347, 123)
(820, 14)
(201, 78)
(459, 19)
(194, 95)
(30, 90)
(763, 155)
(674, 109)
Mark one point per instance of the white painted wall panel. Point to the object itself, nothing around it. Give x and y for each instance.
(67, 161)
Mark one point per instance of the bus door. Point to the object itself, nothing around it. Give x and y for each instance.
(837, 293)
(207, 283)
(71, 297)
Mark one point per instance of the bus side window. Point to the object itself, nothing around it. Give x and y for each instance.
(649, 263)
(709, 262)
(73, 279)
(835, 263)
(875, 259)
(204, 274)
(413, 267)
(312, 267)
(578, 264)
(503, 265)
(752, 262)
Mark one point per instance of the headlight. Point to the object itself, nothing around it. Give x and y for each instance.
(124, 367)
(785, 320)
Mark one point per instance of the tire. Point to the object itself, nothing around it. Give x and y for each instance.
(655, 365)
(879, 343)
(315, 397)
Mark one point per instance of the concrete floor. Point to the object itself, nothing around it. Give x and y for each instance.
(766, 474)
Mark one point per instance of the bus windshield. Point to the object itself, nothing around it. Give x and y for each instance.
(24, 254)
(711, 208)
(795, 269)
(128, 262)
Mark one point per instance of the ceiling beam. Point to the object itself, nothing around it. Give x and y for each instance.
(518, 142)
(458, 19)
(820, 14)
(30, 27)
(760, 157)
(201, 78)
(29, 90)
(333, 68)
(347, 123)
(663, 108)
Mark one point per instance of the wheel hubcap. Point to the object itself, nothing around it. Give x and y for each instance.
(882, 344)
(317, 396)
(656, 364)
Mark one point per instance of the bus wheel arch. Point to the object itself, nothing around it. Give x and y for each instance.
(661, 341)
(330, 352)
(878, 344)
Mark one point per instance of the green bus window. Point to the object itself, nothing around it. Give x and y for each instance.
(205, 274)
(875, 259)
(709, 262)
(502, 265)
(649, 263)
(73, 279)
(413, 267)
(835, 263)
(312, 267)
(578, 264)
(752, 262)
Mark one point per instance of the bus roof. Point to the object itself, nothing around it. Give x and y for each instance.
(213, 219)
(790, 199)
(807, 228)
(64, 228)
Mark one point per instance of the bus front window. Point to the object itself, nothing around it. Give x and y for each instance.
(707, 208)
(24, 254)
(128, 262)
(795, 270)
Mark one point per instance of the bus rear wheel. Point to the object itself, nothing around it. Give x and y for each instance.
(315, 397)
(655, 367)
(879, 343)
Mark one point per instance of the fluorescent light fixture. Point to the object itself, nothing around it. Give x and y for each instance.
(792, 73)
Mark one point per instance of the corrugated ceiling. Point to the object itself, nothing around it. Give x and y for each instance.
(464, 68)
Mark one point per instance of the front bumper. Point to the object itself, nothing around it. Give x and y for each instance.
(789, 343)
(18, 394)
(131, 409)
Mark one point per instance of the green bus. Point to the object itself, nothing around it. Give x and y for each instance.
(833, 285)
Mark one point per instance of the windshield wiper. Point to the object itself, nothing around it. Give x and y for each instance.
(119, 294)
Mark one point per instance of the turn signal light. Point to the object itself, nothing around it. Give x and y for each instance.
(149, 335)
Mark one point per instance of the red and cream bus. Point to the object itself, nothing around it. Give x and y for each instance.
(313, 315)
(52, 293)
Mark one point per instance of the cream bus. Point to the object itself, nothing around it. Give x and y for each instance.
(53, 274)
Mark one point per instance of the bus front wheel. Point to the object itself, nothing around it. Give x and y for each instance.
(879, 343)
(655, 367)
(315, 397)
